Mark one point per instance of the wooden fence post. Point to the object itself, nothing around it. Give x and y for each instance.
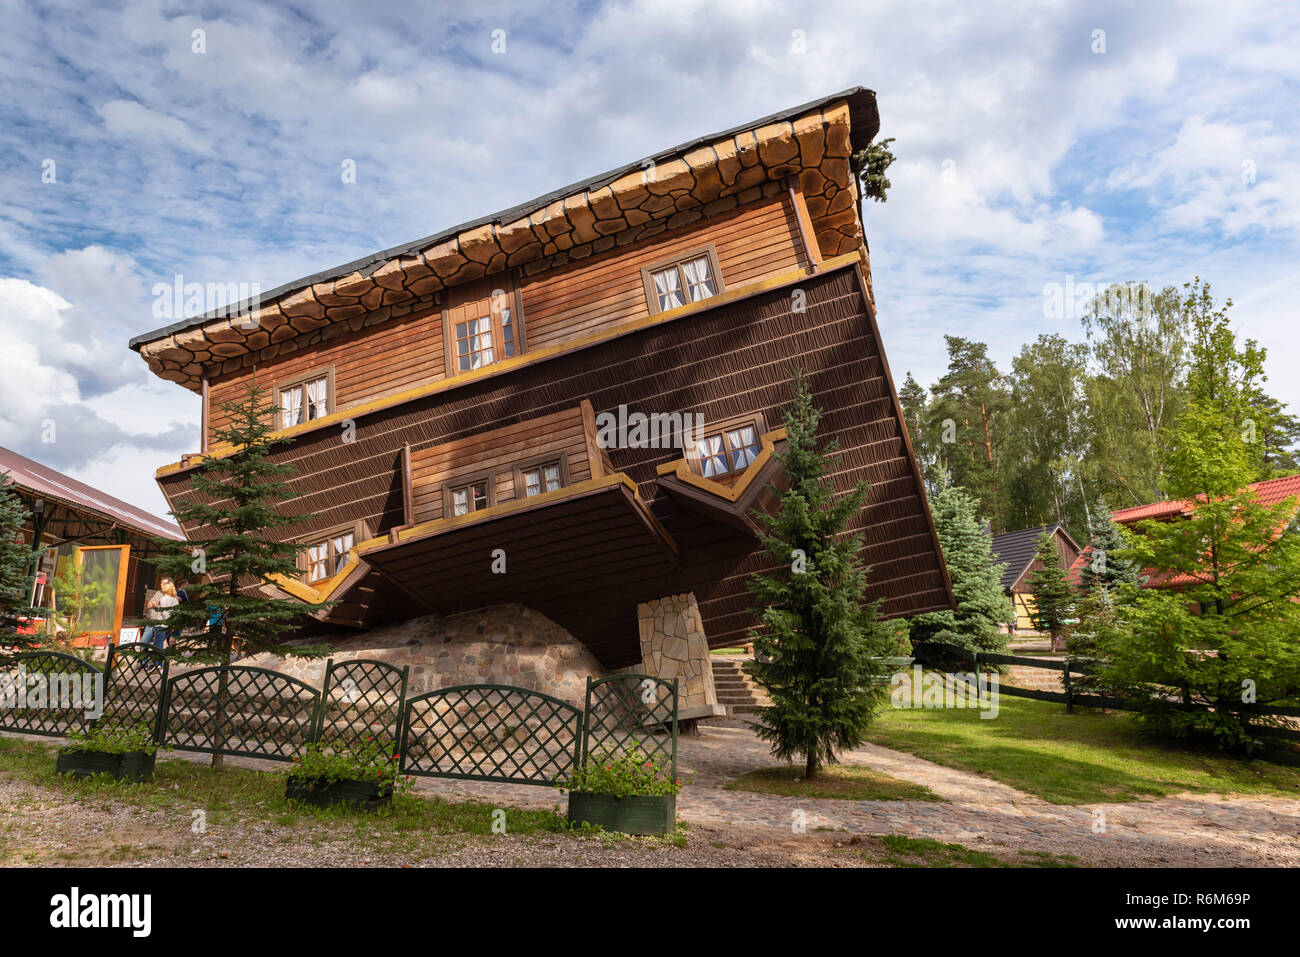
(1069, 693)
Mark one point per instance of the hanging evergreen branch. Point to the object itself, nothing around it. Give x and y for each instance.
(870, 165)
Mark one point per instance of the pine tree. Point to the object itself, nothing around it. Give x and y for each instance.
(15, 565)
(916, 413)
(969, 412)
(817, 645)
(233, 504)
(976, 581)
(1051, 591)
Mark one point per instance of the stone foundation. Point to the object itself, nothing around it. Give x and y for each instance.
(503, 644)
(673, 646)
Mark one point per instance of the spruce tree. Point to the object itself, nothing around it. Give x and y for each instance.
(1107, 563)
(233, 503)
(976, 580)
(15, 580)
(818, 643)
(1051, 591)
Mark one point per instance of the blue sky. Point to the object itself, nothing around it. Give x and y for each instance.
(1025, 155)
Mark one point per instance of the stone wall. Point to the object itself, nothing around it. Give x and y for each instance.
(503, 644)
(673, 646)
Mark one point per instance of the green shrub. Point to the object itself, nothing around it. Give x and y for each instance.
(325, 763)
(621, 774)
(113, 739)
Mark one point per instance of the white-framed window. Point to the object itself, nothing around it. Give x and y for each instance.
(327, 558)
(727, 450)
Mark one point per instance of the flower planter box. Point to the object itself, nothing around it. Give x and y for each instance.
(131, 766)
(364, 794)
(646, 814)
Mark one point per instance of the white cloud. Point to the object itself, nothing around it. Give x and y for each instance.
(128, 118)
(1023, 157)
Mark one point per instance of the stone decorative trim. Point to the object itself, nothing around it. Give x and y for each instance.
(673, 645)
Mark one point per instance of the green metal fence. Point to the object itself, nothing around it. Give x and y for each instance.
(631, 710)
(135, 688)
(239, 710)
(50, 693)
(487, 732)
(362, 700)
(484, 732)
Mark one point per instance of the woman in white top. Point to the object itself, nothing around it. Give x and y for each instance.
(159, 609)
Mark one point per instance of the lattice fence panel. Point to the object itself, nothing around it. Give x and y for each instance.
(135, 687)
(632, 711)
(491, 733)
(362, 699)
(266, 714)
(49, 692)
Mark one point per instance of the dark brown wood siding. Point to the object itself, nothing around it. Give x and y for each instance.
(752, 242)
(722, 362)
(1064, 547)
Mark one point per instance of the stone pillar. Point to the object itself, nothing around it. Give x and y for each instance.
(673, 646)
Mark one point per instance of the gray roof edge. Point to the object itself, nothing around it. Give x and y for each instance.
(862, 107)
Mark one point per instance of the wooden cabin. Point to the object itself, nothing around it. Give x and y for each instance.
(112, 542)
(1269, 492)
(1016, 552)
(486, 393)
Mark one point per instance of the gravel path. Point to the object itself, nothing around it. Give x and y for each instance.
(1187, 830)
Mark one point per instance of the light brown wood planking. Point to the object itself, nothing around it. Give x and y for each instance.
(497, 452)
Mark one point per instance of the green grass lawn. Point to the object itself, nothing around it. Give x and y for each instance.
(1081, 758)
(849, 782)
(903, 851)
(235, 794)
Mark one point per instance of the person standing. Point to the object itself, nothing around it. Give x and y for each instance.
(159, 609)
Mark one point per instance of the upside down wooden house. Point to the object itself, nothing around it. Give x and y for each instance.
(472, 417)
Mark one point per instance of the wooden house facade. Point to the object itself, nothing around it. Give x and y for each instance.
(1017, 552)
(574, 404)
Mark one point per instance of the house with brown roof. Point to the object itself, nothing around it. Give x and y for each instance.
(71, 522)
(571, 408)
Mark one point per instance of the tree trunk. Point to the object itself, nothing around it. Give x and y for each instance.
(810, 767)
(223, 695)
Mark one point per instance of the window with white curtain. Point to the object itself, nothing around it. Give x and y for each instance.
(327, 558)
(305, 400)
(690, 279)
(541, 478)
(469, 498)
(728, 450)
